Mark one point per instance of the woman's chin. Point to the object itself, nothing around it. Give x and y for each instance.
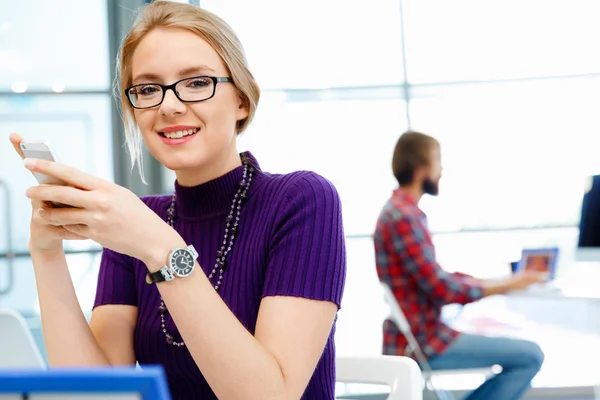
(180, 165)
(177, 160)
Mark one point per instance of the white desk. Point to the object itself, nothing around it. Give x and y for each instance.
(558, 292)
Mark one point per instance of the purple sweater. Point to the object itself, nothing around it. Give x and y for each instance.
(290, 242)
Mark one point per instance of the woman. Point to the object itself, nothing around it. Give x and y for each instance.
(254, 316)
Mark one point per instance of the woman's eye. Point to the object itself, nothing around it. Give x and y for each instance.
(198, 83)
(146, 90)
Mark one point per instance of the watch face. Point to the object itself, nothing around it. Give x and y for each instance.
(182, 262)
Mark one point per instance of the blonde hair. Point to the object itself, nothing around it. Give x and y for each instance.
(208, 26)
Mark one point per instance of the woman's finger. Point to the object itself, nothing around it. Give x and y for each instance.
(72, 176)
(66, 234)
(16, 140)
(61, 194)
(64, 216)
(77, 229)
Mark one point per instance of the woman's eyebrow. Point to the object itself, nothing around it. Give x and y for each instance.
(150, 77)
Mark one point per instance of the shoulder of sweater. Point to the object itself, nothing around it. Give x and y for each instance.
(156, 202)
(300, 183)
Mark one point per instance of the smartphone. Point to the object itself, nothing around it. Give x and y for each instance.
(40, 150)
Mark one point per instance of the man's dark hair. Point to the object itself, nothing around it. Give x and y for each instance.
(413, 150)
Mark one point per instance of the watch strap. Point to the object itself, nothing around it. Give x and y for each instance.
(164, 274)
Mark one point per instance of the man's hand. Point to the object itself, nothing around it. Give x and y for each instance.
(522, 280)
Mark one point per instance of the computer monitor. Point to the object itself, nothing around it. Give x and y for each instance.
(588, 246)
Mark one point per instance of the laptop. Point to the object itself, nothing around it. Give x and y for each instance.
(17, 346)
(541, 260)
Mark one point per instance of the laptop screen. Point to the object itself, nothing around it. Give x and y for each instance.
(540, 260)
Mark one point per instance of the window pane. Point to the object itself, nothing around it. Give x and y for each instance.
(513, 155)
(23, 297)
(488, 254)
(77, 128)
(479, 40)
(317, 44)
(349, 142)
(36, 54)
(359, 329)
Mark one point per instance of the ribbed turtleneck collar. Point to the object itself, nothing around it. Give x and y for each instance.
(213, 197)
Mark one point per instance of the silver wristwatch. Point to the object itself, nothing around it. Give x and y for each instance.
(181, 263)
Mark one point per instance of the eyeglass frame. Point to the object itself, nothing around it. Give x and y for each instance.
(215, 80)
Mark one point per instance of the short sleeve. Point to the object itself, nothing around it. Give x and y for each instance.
(116, 280)
(307, 256)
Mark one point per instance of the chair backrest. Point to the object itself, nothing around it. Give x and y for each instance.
(17, 346)
(396, 314)
(399, 319)
(401, 374)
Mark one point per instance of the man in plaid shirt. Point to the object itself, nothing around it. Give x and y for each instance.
(405, 258)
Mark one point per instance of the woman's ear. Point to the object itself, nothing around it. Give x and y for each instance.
(243, 107)
(243, 101)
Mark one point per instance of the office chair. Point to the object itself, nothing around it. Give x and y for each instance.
(401, 322)
(17, 346)
(401, 374)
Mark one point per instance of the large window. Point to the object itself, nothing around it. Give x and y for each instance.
(470, 40)
(514, 155)
(55, 87)
(53, 45)
(317, 44)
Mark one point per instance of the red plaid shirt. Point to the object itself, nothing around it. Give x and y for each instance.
(405, 258)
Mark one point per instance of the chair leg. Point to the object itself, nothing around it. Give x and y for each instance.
(439, 393)
(422, 361)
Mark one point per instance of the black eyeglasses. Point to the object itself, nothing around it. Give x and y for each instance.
(188, 90)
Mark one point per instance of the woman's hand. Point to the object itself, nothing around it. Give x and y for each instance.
(44, 236)
(102, 211)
